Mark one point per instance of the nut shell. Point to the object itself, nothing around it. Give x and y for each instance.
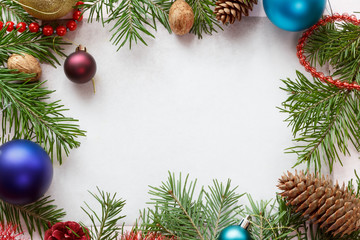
(181, 17)
(25, 63)
(48, 9)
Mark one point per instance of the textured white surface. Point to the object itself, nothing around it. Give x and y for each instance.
(205, 107)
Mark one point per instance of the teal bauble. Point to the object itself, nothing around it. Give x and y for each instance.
(294, 15)
(234, 233)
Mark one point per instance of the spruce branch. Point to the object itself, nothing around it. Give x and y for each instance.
(222, 207)
(337, 44)
(11, 11)
(273, 220)
(177, 210)
(97, 9)
(36, 216)
(133, 20)
(105, 224)
(32, 43)
(182, 213)
(205, 21)
(159, 9)
(324, 119)
(131, 23)
(27, 113)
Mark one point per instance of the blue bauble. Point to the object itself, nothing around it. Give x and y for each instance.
(294, 15)
(25, 172)
(234, 233)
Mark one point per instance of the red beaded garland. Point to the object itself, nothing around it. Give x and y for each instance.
(34, 27)
(21, 26)
(61, 30)
(302, 58)
(9, 26)
(47, 30)
(78, 16)
(71, 25)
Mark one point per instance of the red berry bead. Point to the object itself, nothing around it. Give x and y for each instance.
(78, 16)
(48, 30)
(71, 25)
(21, 26)
(10, 26)
(34, 27)
(61, 30)
(79, 3)
(1, 25)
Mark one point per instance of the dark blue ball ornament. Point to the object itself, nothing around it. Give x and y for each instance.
(234, 233)
(25, 172)
(294, 15)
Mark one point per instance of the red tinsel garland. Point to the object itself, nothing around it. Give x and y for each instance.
(300, 51)
(9, 232)
(139, 236)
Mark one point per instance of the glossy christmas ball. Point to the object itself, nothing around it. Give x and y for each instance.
(25, 172)
(294, 15)
(48, 9)
(234, 233)
(80, 66)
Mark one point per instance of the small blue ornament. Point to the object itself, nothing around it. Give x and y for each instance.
(25, 172)
(294, 15)
(236, 232)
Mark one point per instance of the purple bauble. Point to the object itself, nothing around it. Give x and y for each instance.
(80, 66)
(25, 172)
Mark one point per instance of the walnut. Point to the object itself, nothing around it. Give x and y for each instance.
(25, 63)
(181, 17)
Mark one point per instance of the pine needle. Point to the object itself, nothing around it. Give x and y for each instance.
(105, 224)
(36, 216)
(28, 114)
(324, 120)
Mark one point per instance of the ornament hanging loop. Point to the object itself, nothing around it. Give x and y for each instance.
(245, 222)
(81, 48)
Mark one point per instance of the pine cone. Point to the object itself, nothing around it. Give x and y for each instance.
(66, 230)
(334, 208)
(230, 10)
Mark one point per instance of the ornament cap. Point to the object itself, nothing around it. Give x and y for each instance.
(245, 222)
(81, 48)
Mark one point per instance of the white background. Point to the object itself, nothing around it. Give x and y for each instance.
(205, 107)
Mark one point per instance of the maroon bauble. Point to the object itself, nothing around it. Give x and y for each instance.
(80, 66)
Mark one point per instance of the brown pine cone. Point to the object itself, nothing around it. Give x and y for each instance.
(230, 10)
(66, 231)
(335, 208)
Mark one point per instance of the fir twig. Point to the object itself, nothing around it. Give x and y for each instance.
(222, 208)
(11, 11)
(337, 44)
(178, 213)
(104, 225)
(131, 23)
(177, 210)
(271, 222)
(205, 21)
(323, 118)
(32, 43)
(133, 20)
(36, 216)
(25, 115)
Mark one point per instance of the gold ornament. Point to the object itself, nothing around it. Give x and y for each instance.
(334, 208)
(25, 63)
(48, 9)
(181, 17)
